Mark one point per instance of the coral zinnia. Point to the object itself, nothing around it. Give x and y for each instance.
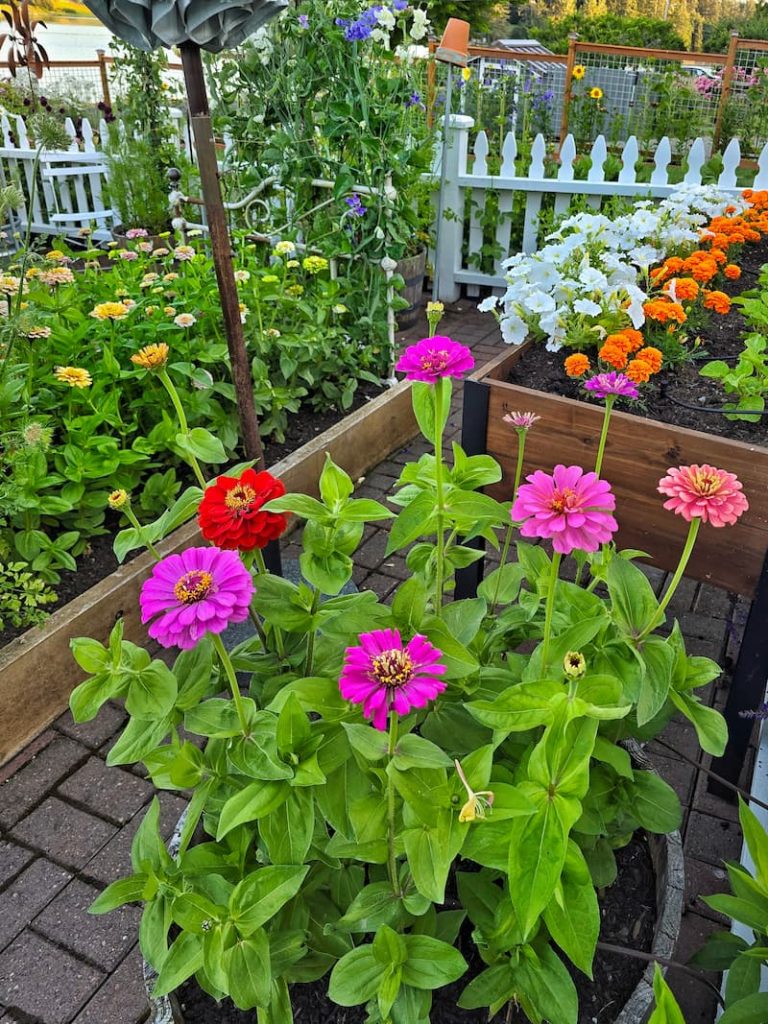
(432, 358)
(384, 676)
(200, 591)
(571, 508)
(604, 384)
(713, 495)
(231, 514)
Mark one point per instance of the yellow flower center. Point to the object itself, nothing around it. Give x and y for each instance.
(435, 361)
(562, 501)
(706, 484)
(240, 499)
(393, 668)
(193, 586)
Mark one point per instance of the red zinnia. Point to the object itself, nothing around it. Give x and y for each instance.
(231, 516)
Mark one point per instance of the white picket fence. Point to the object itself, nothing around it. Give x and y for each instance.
(463, 235)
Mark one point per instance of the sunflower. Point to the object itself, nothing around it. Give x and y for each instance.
(579, 71)
(596, 93)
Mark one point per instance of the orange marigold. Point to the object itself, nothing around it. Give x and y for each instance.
(685, 288)
(635, 338)
(651, 356)
(718, 301)
(701, 266)
(614, 354)
(663, 311)
(638, 371)
(732, 272)
(577, 365)
(719, 256)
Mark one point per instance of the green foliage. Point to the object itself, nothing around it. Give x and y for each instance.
(616, 29)
(23, 596)
(479, 14)
(753, 26)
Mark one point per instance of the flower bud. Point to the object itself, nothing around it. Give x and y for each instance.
(574, 665)
(119, 499)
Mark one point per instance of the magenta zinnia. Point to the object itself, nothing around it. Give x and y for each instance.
(432, 358)
(200, 591)
(571, 508)
(384, 676)
(613, 383)
(703, 492)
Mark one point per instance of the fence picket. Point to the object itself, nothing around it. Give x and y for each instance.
(477, 200)
(761, 178)
(629, 157)
(596, 175)
(731, 161)
(661, 159)
(506, 199)
(34, 192)
(533, 205)
(565, 172)
(697, 155)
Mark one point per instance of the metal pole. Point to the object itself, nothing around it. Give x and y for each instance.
(443, 174)
(222, 248)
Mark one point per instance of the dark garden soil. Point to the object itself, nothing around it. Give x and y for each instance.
(628, 910)
(99, 560)
(672, 391)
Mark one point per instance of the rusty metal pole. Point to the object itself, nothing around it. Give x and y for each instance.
(222, 248)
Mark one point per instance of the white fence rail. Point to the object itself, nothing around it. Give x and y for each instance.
(465, 237)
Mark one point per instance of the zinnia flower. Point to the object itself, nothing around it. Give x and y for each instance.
(200, 591)
(151, 357)
(109, 311)
(571, 508)
(604, 384)
(137, 233)
(384, 676)
(314, 264)
(118, 499)
(75, 376)
(521, 420)
(184, 252)
(38, 332)
(713, 495)
(436, 357)
(231, 515)
(577, 365)
(184, 320)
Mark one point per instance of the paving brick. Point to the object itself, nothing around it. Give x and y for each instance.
(703, 880)
(681, 736)
(103, 939)
(714, 602)
(683, 598)
(713, 840)
(709, 803)
(115, 794)
(12, 859)
(114, 860)
(45, 982)
(30, 785)
(680, 775)
(371, 553)
(122, 999)
(66, 834)
(96, 732)
(698, 1003)
(381, 585)
(27, 895)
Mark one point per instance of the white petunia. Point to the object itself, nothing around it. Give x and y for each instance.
(587, 307)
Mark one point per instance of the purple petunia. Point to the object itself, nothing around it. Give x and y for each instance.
(201, 590)
(385, 676)
(432, 358)
(613, 383)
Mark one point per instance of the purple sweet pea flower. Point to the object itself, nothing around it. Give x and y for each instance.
(355, 204)
(303, 20)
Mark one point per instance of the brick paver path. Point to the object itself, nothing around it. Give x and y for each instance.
(66, 821)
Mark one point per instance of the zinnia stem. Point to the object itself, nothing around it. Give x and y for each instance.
(556, 557)
(609, 400)
(690, 540)
(130, 515)
(440, 546)
(177, 405)
(311, 637)
(391, 861)
(229, 669)
(521, 434)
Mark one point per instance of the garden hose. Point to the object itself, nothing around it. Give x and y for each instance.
(710, 408)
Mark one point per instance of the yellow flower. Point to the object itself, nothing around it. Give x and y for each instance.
(147, 280)
(340, 308)
(270, 279)
(596, 93)
(244, 312)
(272, 332)
(170, 277)
(74, 376)
(33, 272)
(477, 803)
(150, 310)
(110, 311)
(57, 256)
(574, 664)
(184, 252)
(435, 307)
(168, 310)
(292, 264)
(9, 285)
(159, 253)
(579, 71)
(56, 276)
(295, 290)
(185, 320)
(466, 74)
(284, 248)
(118, 499)
(314, 264)
(151, 357)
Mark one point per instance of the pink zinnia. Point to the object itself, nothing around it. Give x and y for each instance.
(384, 676)
(199, 591)
(613, 383)
(571, 508)
(704, 492)
(436, 357)
(137, 233)
(521, 420)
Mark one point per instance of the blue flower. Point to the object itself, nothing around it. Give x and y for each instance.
(355, 204)
(303, 20)
(414, 100)
(400, 5)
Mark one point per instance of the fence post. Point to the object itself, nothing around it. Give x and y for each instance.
(431, 83)
(725, 89)
(104, 77)
(568, 87)
(451, 231)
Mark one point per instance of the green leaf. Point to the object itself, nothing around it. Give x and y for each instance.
(752, 1010)
(493, 986)
(655, 804)
(414, 521)
(250, 804)
(667, 1010)
(738, 909)
(719, 951)
(356, 977)
(414, 751)
(743, 979)
(431, 963)
(711, 728)
(537, 852)
(613, 755)
(375, 905)
(148, 851)
(573, 916)
(203, 445)
(367, 741)
(633, 600)
(431, 850)
(139, 738)
(464, 618)
(293, 728)
(507, 578)
(249, 972)
(152, 692)
(87, 698)
(521, 707)
(459, 662)
(124, 890)
(658, 659)
(185, 957)
(409, 605)
(287, 830)
(300, 505)
(89, 654)
(216, 717)
(757, 841)
(335, 485)
(262, 893)
(423, 397)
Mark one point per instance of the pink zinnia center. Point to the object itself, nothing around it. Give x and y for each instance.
(566, 500)
(240, 499)
(193, 586)
(436, 361)
(706, 485)
(392, 668)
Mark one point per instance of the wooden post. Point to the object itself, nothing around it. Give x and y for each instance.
(431, 83)
(104, 78)
(568, 89)
(725, 89)
(222, 248)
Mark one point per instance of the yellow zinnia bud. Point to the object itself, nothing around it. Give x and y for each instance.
(574, 664)
(118, 499)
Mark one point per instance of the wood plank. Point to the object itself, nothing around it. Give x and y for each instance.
(639, 453)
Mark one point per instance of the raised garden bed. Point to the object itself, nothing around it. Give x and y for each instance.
(37, 671)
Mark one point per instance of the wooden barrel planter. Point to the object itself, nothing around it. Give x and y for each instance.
(638, 454)
(412, 269)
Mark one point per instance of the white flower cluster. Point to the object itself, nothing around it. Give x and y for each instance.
(594, 267)
(262, 44)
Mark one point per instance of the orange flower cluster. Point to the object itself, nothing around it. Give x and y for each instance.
(732, 272)
(664, 311)
(646, 363)
(717, 301)
(577, 365)
(683, 288)
(617, 347)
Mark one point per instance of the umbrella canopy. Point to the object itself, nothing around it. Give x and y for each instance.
(213, 26)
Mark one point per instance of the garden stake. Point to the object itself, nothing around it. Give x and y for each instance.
(221, 246)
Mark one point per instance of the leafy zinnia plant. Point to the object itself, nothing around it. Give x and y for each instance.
(373, 785)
